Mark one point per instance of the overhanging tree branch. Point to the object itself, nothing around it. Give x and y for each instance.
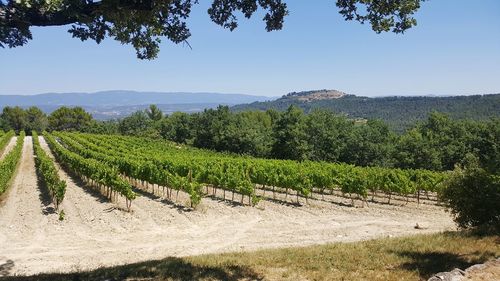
(142, 23)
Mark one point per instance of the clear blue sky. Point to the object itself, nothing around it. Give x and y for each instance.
(455, 49)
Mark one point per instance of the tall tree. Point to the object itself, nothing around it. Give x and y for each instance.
(137, 124)
(212, 127)
(142, 23)
(177, 127)
(69, 119)
(14, 118)
(154, 113)
(36, 120)
(327, 134)
(290, 136)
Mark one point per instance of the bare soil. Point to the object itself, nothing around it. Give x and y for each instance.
(8, 148)
(96, 232)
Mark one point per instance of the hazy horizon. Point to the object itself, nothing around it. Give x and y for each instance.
(248, 94)
(451, 51)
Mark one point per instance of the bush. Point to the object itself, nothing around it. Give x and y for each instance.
(472, 194)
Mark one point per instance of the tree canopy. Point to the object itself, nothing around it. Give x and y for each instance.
(142, 23)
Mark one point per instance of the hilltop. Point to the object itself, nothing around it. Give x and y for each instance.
(399, 112)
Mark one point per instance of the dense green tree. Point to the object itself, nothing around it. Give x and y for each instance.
(415, 152)
(290, 136)
(108, 127)
(400, 113)
(473, 196)
(14, 118)
(137, 124)
(69, 119)
(327, 135)
(451, 137)
(211, 128)
(370, 144)
(36, 120)
(243, 133)
(143, 23)
(487, 145)
(154, 113)
(177, 127)
(251, 133)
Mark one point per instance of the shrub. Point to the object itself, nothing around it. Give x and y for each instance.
(472, 194)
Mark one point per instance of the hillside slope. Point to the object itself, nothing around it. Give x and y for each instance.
(399, 112)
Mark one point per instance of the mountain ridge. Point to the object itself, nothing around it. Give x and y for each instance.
(400, 112)
(126, 98)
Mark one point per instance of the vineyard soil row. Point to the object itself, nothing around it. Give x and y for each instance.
(96, 233)
(8, 148)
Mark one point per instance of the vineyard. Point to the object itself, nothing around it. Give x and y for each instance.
(119, 194)
(5, 139)
(9, 162)
(115, 164)
(48, 173)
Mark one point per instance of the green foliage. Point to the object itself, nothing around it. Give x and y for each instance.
(47, 171)
(5, 139)
(14, 118)
(327, 135)
(290, 136)
(36, 120)
(369, 144)
(473, 197)
(91, 169)
(188, 169)
(399, 113)
(9, 163)
(137, 124)
(438, 143)
(69, 119)
(243, 133)
(154, 113)
(143, 24)
(61, 215)
(108, 127)
(413, 150)
(176, 127)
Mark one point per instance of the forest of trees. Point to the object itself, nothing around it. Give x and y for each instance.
(400, 113)
(437, 143)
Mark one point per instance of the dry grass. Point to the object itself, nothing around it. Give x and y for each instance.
(408, 258)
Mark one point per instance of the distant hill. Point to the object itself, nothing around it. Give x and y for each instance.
(116, 104)
(398, 111)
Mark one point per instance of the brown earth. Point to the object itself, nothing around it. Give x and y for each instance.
(97, 233)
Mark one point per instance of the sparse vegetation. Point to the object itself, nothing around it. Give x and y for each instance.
(61, 215)
(409, 258)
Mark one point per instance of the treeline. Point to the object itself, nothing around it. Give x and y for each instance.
(437, 143)
(34, 119)
(400, 113)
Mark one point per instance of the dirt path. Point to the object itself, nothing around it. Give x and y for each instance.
(8, 148)
(95, 233)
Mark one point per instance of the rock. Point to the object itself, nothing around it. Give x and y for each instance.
(454, 275)
(418, 226)
(480, 266)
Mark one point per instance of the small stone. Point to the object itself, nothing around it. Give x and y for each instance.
(454, 275)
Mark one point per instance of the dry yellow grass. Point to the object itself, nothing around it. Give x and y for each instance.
(407, 258)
